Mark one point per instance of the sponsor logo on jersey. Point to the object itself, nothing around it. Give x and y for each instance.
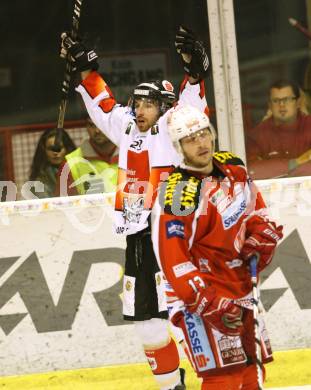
(233, 219)
(183, 269)
(175, 228)
(199, 343)
(132, 209)
(203, 264)
(222, 199)
(230, 349)
(128, 286)
(224, 157)
(167, 286)
(120, 229)
(233, 212)
(218, 196)
(186, 193)
(234, 263)
(172, 182)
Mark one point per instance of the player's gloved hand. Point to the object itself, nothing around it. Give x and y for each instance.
(82, 58)
(193, 53)
(220, 313)
(262, 242)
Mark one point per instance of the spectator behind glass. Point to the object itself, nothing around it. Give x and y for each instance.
(280, 146)
(46, 162)
(91, 168)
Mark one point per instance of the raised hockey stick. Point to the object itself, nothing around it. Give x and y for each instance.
(255, 301)
(67, 76)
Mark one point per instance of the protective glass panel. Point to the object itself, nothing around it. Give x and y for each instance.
(134, 41)
(275, 53)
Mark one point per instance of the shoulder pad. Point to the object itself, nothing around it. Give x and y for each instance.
(228, 158)
(131, 125)
(155, 129)
(181, 193)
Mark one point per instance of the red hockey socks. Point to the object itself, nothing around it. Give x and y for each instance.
(164, 363)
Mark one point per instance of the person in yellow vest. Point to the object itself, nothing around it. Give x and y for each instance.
(91, 168)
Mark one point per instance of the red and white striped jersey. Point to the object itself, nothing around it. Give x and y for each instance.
(145, 158)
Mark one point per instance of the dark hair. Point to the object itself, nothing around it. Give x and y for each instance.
(40, 161)
(282, 83)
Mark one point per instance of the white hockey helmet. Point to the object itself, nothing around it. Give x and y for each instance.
(184, 121)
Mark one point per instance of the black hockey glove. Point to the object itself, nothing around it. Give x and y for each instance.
(82, 58)
(187, 42)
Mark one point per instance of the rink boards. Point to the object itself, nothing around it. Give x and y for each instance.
(61, 273)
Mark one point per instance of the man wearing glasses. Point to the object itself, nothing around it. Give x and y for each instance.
(280, 146)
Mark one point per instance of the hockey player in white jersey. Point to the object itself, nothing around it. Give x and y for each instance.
(146, 156)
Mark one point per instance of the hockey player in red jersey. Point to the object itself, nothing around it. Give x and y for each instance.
(145, 154)
(208, 221)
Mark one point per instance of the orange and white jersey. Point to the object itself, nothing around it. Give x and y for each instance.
(200, 224)
(145, 158)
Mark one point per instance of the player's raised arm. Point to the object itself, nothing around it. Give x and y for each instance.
(96, 94)
(193, 54)
(195, 62)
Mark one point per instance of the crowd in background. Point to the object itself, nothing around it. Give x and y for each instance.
(59, 168)
(278, 146)
(268, 48)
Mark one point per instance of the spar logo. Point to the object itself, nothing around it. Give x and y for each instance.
(233, 219)
(199, 343)
(24, 277)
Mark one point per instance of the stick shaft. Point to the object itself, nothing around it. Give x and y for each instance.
(67, 74)
(253, 268)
